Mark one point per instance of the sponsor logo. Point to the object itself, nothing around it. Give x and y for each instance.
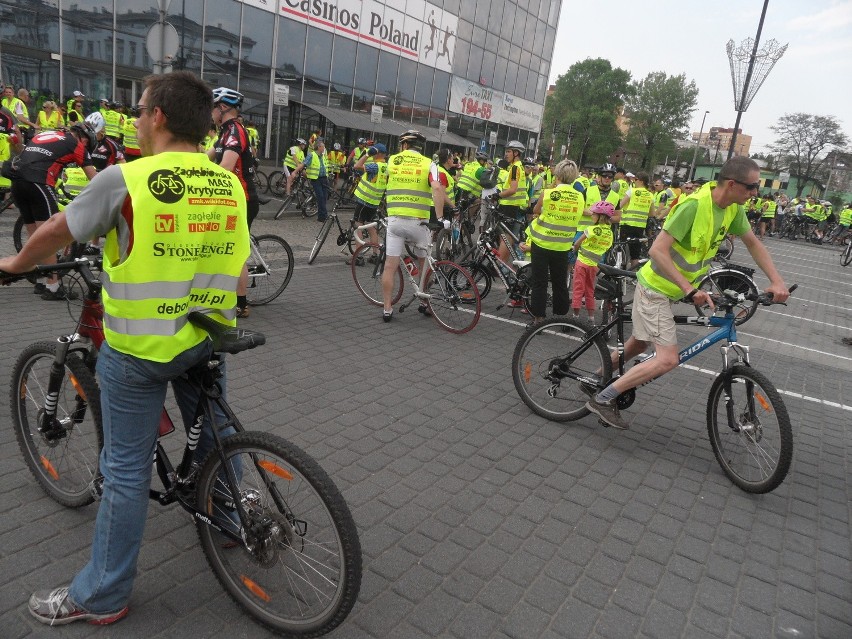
(231, 223)
(211, 201)
(398, 160)
(694, 349)
(166, 186)
(555, 195)
(203, 227)
(164, 223)
(207, 298)
(191, 252)
(203, 217)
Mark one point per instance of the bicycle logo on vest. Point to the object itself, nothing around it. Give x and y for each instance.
(555, 195)
(166, 186)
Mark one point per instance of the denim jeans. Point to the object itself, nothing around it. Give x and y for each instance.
(132, 394)
(321, 192)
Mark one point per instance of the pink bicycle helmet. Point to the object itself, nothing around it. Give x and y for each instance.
(603, 208)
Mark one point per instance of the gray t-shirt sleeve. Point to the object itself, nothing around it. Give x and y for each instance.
(97, 209)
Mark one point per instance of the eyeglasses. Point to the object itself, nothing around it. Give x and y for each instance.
(754, 186)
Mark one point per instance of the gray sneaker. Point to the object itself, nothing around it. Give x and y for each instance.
(55, 608)
(608, 412)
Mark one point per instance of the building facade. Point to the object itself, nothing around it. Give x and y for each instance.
(719, 140)
(463, 71)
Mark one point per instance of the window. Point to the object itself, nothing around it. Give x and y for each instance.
(475, 63)
(222, 45)
(495, 16)
(499, 81)
(317, 66)
(405, 88)
(512, 78)
(440, 90)
(342, 71)
(366, 66)
(507, 23)
(423, 88)
(386, 82)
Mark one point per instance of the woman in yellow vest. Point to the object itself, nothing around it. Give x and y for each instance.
(513, 196)
(49, 117)
(590, 247)
(550, 237)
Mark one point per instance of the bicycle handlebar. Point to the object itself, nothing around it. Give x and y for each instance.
(82, 265)
(730, 297)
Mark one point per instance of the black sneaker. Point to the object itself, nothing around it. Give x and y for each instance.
(55, 608)
(39, 288)
(61, 294)
(424, 310)
(608, 412)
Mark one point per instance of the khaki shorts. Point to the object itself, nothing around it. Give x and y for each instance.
(653, 318)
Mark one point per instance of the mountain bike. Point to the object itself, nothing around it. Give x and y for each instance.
(270, 267)
(558, 364)
(273, 526)
(449, 293)
(301, 196)
(346, 237)
(452, 243)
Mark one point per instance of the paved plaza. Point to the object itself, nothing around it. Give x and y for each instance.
(479, 519)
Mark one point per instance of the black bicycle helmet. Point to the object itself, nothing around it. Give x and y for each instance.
(482, 156)
(86, 132)
(412, 135)
(607, 168)
(228, 96)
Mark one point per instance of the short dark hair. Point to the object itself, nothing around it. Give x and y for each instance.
(738, 168)
(642, 177)
(443, 156)
(185, 100)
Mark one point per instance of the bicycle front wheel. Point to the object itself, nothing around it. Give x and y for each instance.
(846, 256)
(550, 362)
(298, 569)
(270, 267)
(368, 265)
(62, 455)
(749, 429)
(454, 297)
(277, 183)
(323, 233)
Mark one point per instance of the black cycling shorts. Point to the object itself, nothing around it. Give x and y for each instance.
(632, 235)
(36, 202)
(364, 213)
(252, 209)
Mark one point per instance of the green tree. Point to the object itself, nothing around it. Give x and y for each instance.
(659, 108)
(585, 103)
(802, 139)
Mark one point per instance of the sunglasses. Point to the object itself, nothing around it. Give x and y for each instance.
(754, 186)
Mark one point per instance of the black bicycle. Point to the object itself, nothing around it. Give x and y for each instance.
(275, 529)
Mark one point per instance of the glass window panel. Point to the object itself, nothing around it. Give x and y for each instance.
(511, 77)
(507, 23)
(317, 66)
(487, 74)
(26, 29)
(499, 81)
(525, 58)
(532, 80)
(423, 88)
(465, 30)
(342, 72)
(386, 81)
(495, 16)
(549, 40)
(440, 91)
(258, 26)
(533, 6)
(452, 6)
(519, 26)
(461, 57)
(544, 8)
(474, 63)
(366, 65)
(221, 45)
(468, 10)
(405, 88)
(554, 13)
(187, 17)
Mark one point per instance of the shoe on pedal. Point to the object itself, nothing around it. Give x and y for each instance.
(424, 310)
(608, 413)
(60, 294)
(55, 608)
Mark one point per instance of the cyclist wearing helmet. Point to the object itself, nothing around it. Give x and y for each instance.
(637, 205)
(336, 160)
(356, 153)
(593, 242)
(107, 151)
(36, 170)
(513, 196)
(468, 185)
(601, 190)
(315, 165)
(232, 151)
(295, 156)
(371, 187)
(409, 198)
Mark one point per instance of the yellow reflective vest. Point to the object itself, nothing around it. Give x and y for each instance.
(520, 197)
(370, 193)
(561, 209)
(597, 242)
(636, 213)
(408, 192)
(467, 178)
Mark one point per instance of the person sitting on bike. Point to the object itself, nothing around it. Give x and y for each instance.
(336, 160)
(36, 171)
(145, 209)
(550, 238)
(590, 248)
(295, 156)
(513, 195)
(356, 153)
(680, 256)
(315, 166)
(232, 152)
(371, 188)
(637, 206)
(467, 181)
(409, 198)
(816, 218)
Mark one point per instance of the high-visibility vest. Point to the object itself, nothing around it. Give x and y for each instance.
(846, 216)
(336, 159)
(520, 197)
(74, 180)
(593, 196)
(291, 163)
(177, 264)
(5, 154)
(371, 193)
(769, 208)
(131, 142)
(467, 178)
(112, 123)
(12, 104)
(408, 192)
(693, 255)
(636, 213)
(53, 122)
(597, 242)
(451, 185)
(312, 168)
(561, 209)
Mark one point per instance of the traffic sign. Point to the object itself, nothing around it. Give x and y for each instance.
(442, 127)
(492, 138)
(376, 114)
(281, 95)
(482, 145)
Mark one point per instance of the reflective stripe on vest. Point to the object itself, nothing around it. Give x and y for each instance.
(555, 228)
(408, 191)
(693, 257)
(636, 213)
(597, 242)
(177, 264)
(289, 162)
(519, 198)
(129, 130)
(112, 123)
(467, 179)
(371, 192)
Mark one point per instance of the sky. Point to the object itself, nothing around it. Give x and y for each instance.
(689, 36)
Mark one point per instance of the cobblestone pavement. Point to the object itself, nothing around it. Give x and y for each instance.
(478, 518)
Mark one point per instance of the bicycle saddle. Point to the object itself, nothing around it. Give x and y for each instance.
(611, 271)
(226, 338)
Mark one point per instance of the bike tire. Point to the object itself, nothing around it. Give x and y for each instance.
(269, 278)
(443, 245)
(846, 255)
(7, 202)
(547, 366)
(368, 275)
(726, 248)
(757, 458)
(454, 298)
(480, 276)
(64, 466)
(730, 279)
(277, 183)
(308, 204)
(19, 234)
(261, 181)
(298, 570)
(323, 233)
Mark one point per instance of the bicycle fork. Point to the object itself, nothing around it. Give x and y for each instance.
(51, 428)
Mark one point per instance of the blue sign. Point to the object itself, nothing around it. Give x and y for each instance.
(482, 145)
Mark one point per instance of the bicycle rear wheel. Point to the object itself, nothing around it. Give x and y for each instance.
(298, 570)
(270, 267)
(749, 429)
(261, 182)
(323, 233)
(550, 361)
(62, 456)
(277, 183)
(454, 300)
(368, 264)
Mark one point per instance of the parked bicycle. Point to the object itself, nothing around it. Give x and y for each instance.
(273, 526)
(301, 196)
(450, 294)
(846, 255)
(346, 236)
(270, 267)
(559, 363)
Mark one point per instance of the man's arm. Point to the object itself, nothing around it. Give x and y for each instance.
(761, 256)
(660, 254)
(439, 198)
(48, 238)
(229, 160)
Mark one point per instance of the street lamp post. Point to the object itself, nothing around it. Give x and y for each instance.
(697, 144)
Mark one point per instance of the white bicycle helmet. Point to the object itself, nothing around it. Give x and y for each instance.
(96, 121)
(514, 145)
(228, 96)
(337, 146)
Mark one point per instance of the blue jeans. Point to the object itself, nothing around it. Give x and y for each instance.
(132, 394)
(321, 192)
